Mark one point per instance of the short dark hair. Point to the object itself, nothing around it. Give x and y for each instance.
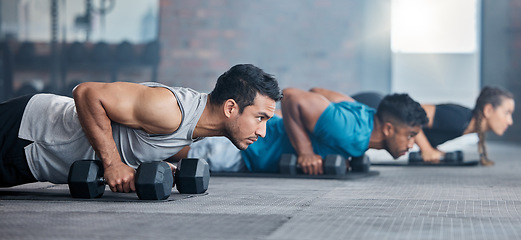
(401, 108)
(242, 83)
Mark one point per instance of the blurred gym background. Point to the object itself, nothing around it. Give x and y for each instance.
(435, 50)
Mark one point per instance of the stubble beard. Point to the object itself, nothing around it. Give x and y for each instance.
(231, 134)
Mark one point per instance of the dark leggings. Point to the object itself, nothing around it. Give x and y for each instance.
(13, 163)
(371, 99)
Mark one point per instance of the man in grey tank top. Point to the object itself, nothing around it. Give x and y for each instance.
(125, 124)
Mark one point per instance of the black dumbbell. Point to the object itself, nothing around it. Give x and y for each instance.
(332, 165)
(192, 176)
(153, 180)
(360, 164)
(453, 157)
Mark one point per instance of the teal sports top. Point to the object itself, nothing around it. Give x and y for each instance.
(344, 128)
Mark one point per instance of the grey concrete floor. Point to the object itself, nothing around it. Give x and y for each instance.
(401, 203)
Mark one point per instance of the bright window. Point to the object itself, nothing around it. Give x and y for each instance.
(434, 26)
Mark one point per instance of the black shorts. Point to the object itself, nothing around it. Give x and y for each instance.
(13, 163)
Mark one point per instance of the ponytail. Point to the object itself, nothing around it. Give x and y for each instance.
(493, 96)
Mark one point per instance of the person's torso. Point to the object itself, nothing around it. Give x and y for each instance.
(450, 121)
(343, 128)
(51, 122)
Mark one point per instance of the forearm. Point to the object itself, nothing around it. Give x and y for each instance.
(301, 111)
(423, 143)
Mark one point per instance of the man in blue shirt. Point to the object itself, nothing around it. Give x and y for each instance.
(316, 123)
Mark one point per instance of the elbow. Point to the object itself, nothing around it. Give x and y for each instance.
(78, 90)
(81, 90)
(289, 95)
(290, 92)
(293, 98)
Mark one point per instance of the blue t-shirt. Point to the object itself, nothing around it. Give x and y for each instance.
(343, 128)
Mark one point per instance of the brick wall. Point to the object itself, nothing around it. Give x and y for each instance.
(304, 43)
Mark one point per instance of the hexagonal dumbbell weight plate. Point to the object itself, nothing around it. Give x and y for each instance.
(288, 164)
(154, 181)
(192, 176)
(360, 164)
(86, 179)
(335, 165)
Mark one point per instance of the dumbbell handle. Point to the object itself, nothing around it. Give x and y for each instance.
(101, 181)
(448, 157)
(299, 168)
(331, 165)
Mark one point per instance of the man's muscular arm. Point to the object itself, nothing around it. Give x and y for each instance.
(301, 111)
(428, 153)
(155, 110)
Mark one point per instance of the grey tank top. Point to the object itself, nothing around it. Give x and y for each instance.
(51, 122)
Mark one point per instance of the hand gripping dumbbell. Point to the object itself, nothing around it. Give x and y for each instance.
(360, 164)
(332, 165)
(153, 180)
(452, 157)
